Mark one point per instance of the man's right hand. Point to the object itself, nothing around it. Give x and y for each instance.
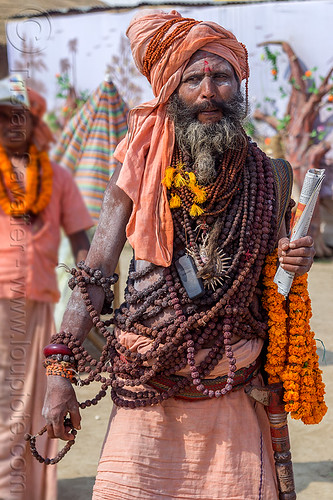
(60, 399)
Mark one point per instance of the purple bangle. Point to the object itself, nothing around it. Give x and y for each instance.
(57, 349)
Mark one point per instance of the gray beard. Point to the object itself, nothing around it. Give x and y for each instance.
(206, 143)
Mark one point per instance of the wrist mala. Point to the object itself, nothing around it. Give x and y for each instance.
(65, 356)
(94, 277)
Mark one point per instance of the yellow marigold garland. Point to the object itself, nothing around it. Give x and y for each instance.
(14, 200)
(292, 357)
(178, 177)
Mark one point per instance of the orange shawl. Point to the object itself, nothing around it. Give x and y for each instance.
(147, 149)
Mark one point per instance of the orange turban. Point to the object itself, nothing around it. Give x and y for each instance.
(147, 149)
(14, 92)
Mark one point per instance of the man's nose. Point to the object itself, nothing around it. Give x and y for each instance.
(208, 90)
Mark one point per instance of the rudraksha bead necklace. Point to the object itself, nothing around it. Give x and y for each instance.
(247, 234)
(248, 227)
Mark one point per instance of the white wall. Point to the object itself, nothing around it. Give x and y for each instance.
(307, 26)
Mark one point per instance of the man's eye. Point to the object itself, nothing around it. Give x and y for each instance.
(221, 77)
(192, 79)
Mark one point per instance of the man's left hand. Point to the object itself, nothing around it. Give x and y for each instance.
(296, 256)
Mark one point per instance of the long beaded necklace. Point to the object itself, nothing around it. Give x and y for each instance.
(184, 326)
(247, 235)
(14, 199)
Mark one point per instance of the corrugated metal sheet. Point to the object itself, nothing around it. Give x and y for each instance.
(123, 4)
(116, 4)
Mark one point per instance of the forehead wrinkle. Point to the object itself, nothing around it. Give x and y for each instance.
(206, 67)
(204, 62)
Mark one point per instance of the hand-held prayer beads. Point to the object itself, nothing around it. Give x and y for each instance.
(65, 357)
(60, 454)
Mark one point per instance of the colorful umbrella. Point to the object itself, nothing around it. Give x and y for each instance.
(88, 141)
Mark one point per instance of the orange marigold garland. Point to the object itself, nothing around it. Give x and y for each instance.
(292, 357)
(274, 304)
(14, 199)
(303, 363)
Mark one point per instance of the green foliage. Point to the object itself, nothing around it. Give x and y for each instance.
(64, 85)
(283, 123)
(319, 133)
(52, 121)
(309, 77)
(313, 89)
(294, 84)
(83, 97)
(283, 93)
(249, 128)
(272, 58)
(58, 117)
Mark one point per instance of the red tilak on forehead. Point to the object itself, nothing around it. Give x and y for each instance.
(207, 68)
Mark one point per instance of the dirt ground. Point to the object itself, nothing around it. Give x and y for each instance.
(312, 446)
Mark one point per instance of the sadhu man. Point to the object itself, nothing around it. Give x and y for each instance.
(37, 199)
(202, 208)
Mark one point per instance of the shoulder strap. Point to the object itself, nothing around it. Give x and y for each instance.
(283, 180)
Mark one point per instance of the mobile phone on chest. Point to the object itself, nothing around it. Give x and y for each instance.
(187, 272)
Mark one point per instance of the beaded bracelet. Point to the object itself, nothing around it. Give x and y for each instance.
(53, 362)
(94, 277)
(62, 369)
(61, 357)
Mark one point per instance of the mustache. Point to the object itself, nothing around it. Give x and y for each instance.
(181, 113)
(227, 107)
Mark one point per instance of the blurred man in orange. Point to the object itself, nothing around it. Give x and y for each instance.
(37, 199)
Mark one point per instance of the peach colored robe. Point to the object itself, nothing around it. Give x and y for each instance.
(26, 327)
(210, 449)
(28, 289)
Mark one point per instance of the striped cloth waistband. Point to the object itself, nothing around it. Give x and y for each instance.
(190, 393)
